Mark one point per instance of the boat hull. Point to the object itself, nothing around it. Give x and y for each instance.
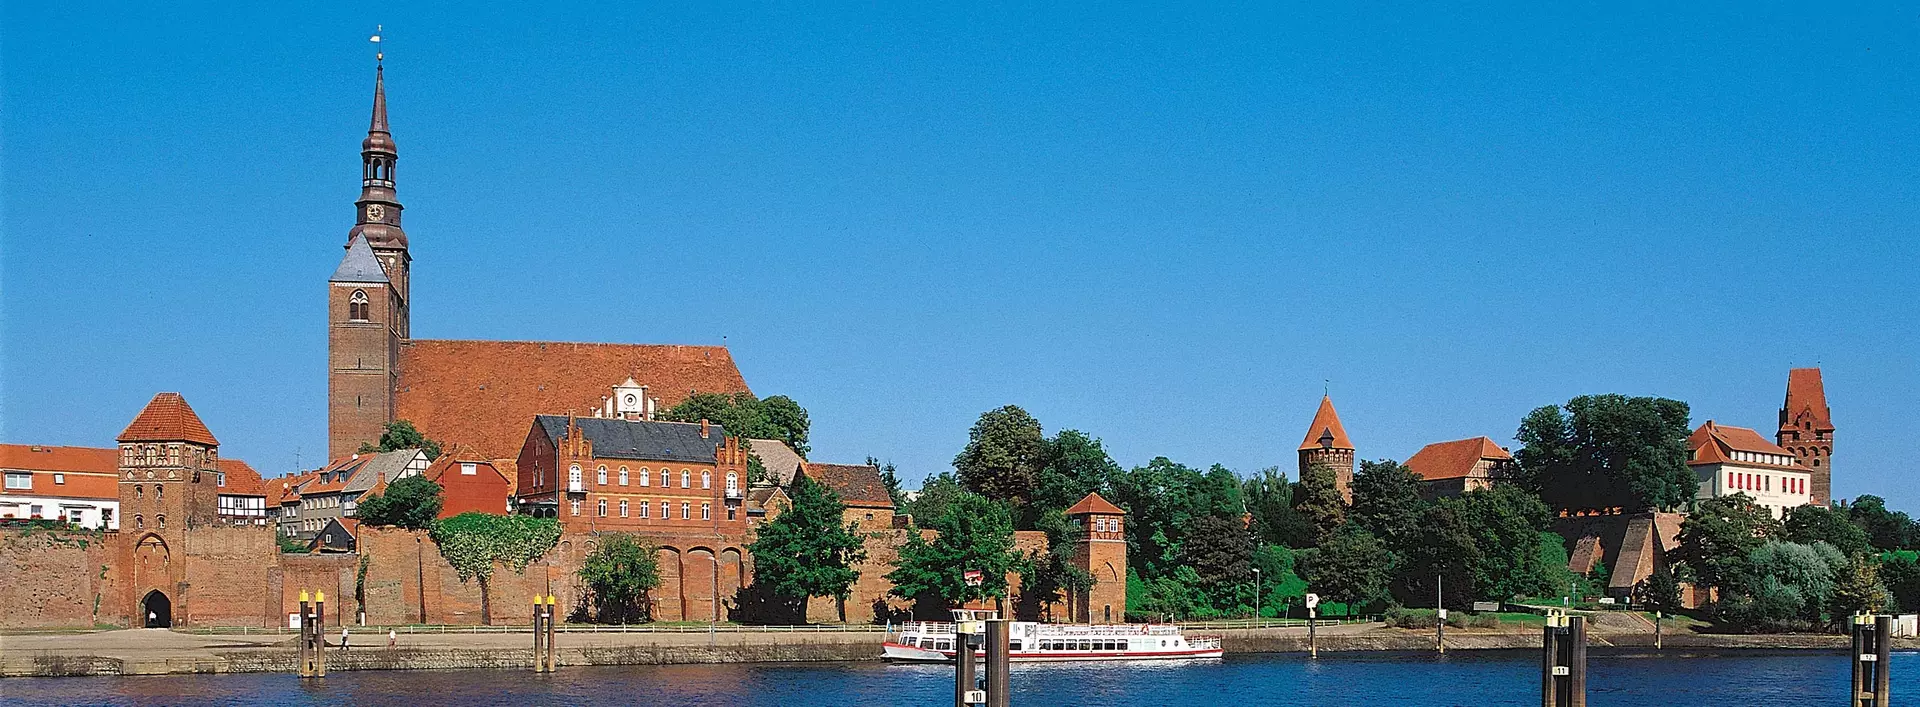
(901, 653)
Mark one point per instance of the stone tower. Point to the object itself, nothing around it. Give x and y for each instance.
(1326, 445)
(367, 311)
(168, 468)
(1806, 429)
(1101, 551)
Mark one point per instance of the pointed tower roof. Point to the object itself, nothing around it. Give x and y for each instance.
(359, 265)
(1326, 430)
(1094, 503)
(168, 418)
(1806, 397)
(378, 137)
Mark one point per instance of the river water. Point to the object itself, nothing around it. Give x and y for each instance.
(1472, 679)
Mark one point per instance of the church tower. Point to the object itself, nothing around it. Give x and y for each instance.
(1806, 429)
(367, 310)
(1326, 445)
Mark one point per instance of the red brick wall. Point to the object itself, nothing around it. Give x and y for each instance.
(485, 491)
(53, 580)
(361, 368)
(226, 572)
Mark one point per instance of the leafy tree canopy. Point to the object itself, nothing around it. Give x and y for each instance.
(1162, 499)
(1220, 551)
(890, 476)
(401, 434)
(937, 493)
(1808, 524)
(742, 415)
(473, 543)
(1351, 567)
(618, 574)
(1717, 537)
(1886, 530)
(808, 550)
(1602, 451)
(1269, 499)
(1858, 589)
(1004, 452)
(1317, 500)
(1386, 501)
(974, 533)
(412, 502)
(1075, 465)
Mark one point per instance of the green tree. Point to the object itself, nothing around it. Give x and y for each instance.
(1781, 587)
(1506, 524)
(891, 477)
(1220, 552)
(1162, 498)
(1050, 576)
(808, 550)
(1717, 537)
(1350, 567)
(1809, 524)
(401, 434)
(1662, 591)
(1886, 530)
(1607, 451)
(1075, 465)
(475, 543)
(975, 533)
(1900, 571)
(1317, 500)
(1002, 459)
(291, 545)
(1857, 589)
(412, 502)
(1386, 501)
(1269, 499)
(619, 575)
(1445, 552)
(742, 415)
(1281, 586)
(937, 493)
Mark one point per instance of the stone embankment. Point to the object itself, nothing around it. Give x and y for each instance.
(157, 651)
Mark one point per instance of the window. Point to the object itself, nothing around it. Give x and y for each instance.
(139, 493)
(729, 512)
(469, 469)
(162, 520)
(644, 506)
(623, 476)
(139, 523)
(62, 478)
(733, 482)
(686, 479)
(706, 479)
(601, 508)
(19, 481)
(623, 508)
(666, 510)
(127, 456)
(219, 479)
(646, 477)
(574, 506)
(686, 511)
(159, 492)
(600, 475)
(706, 511)
(573, 478)
(357, 306)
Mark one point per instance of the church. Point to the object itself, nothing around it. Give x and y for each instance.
(476, 394)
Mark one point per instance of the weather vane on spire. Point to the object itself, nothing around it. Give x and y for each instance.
(379, 55)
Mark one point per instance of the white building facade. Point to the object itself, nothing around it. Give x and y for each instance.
(1736, 460)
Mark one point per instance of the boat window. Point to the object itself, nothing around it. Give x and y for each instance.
(1163, 643)
(1013, 645)
(945, 645)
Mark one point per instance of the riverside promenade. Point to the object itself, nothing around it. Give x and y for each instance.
(161, 651)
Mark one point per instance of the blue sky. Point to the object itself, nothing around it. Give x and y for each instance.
(1164, 226)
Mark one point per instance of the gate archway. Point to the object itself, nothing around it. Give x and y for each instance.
(156, 611)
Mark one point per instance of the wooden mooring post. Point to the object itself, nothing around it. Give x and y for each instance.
(313, 640)
(999, 661)
(1563, 662)
(539, 634)
(553, 637)
(1872, 675)
(965, 690)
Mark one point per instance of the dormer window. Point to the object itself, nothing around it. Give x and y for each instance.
(357, 307)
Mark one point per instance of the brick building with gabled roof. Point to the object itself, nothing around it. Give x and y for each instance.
(1806, 430)
(1735, 460)
(1327, 446)
(474, 393)
(76, 484)
(1456, 467)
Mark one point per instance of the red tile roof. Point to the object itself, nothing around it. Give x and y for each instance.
(1806, 398)
(1456, 459)
(88, 472)
(485, 393)
(36, 457)
(1326, 423)
(242, 480)
(858, 485)
(1094, 503)
(1713, 443)
(287, 488)
(168, 418)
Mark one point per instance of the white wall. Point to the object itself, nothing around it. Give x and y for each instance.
(1769, 495)
(55, 508)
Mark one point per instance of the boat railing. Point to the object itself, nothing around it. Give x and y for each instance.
(928, 627)
(1205, 643)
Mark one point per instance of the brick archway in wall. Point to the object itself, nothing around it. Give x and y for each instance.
(152, 574)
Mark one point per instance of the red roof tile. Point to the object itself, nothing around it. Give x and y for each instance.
(1806, 398)
(168, 418)
(1456, 459)
(87, 472)
(1713, 443)
(858, 485)
(485, 393)
(1094, 503)
(1326, 423)
(242, 480)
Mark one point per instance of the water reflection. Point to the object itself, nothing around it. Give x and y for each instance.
(1363, 680)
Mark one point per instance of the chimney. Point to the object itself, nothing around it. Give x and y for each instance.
(704, 428)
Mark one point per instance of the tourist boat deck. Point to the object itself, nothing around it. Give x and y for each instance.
(1027, 641)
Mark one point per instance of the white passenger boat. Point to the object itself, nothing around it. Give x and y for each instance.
(1027, 641)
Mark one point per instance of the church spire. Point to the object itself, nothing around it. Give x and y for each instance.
(379, 207)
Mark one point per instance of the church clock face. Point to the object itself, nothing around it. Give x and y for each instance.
(376, 212)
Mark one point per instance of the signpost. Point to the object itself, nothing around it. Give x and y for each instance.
(1313, 605)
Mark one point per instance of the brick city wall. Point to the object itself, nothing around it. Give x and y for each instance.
(53, 579)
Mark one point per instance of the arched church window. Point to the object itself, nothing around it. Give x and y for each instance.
(706, 479)
(733, 482)
(573, 478)
(357, 309)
